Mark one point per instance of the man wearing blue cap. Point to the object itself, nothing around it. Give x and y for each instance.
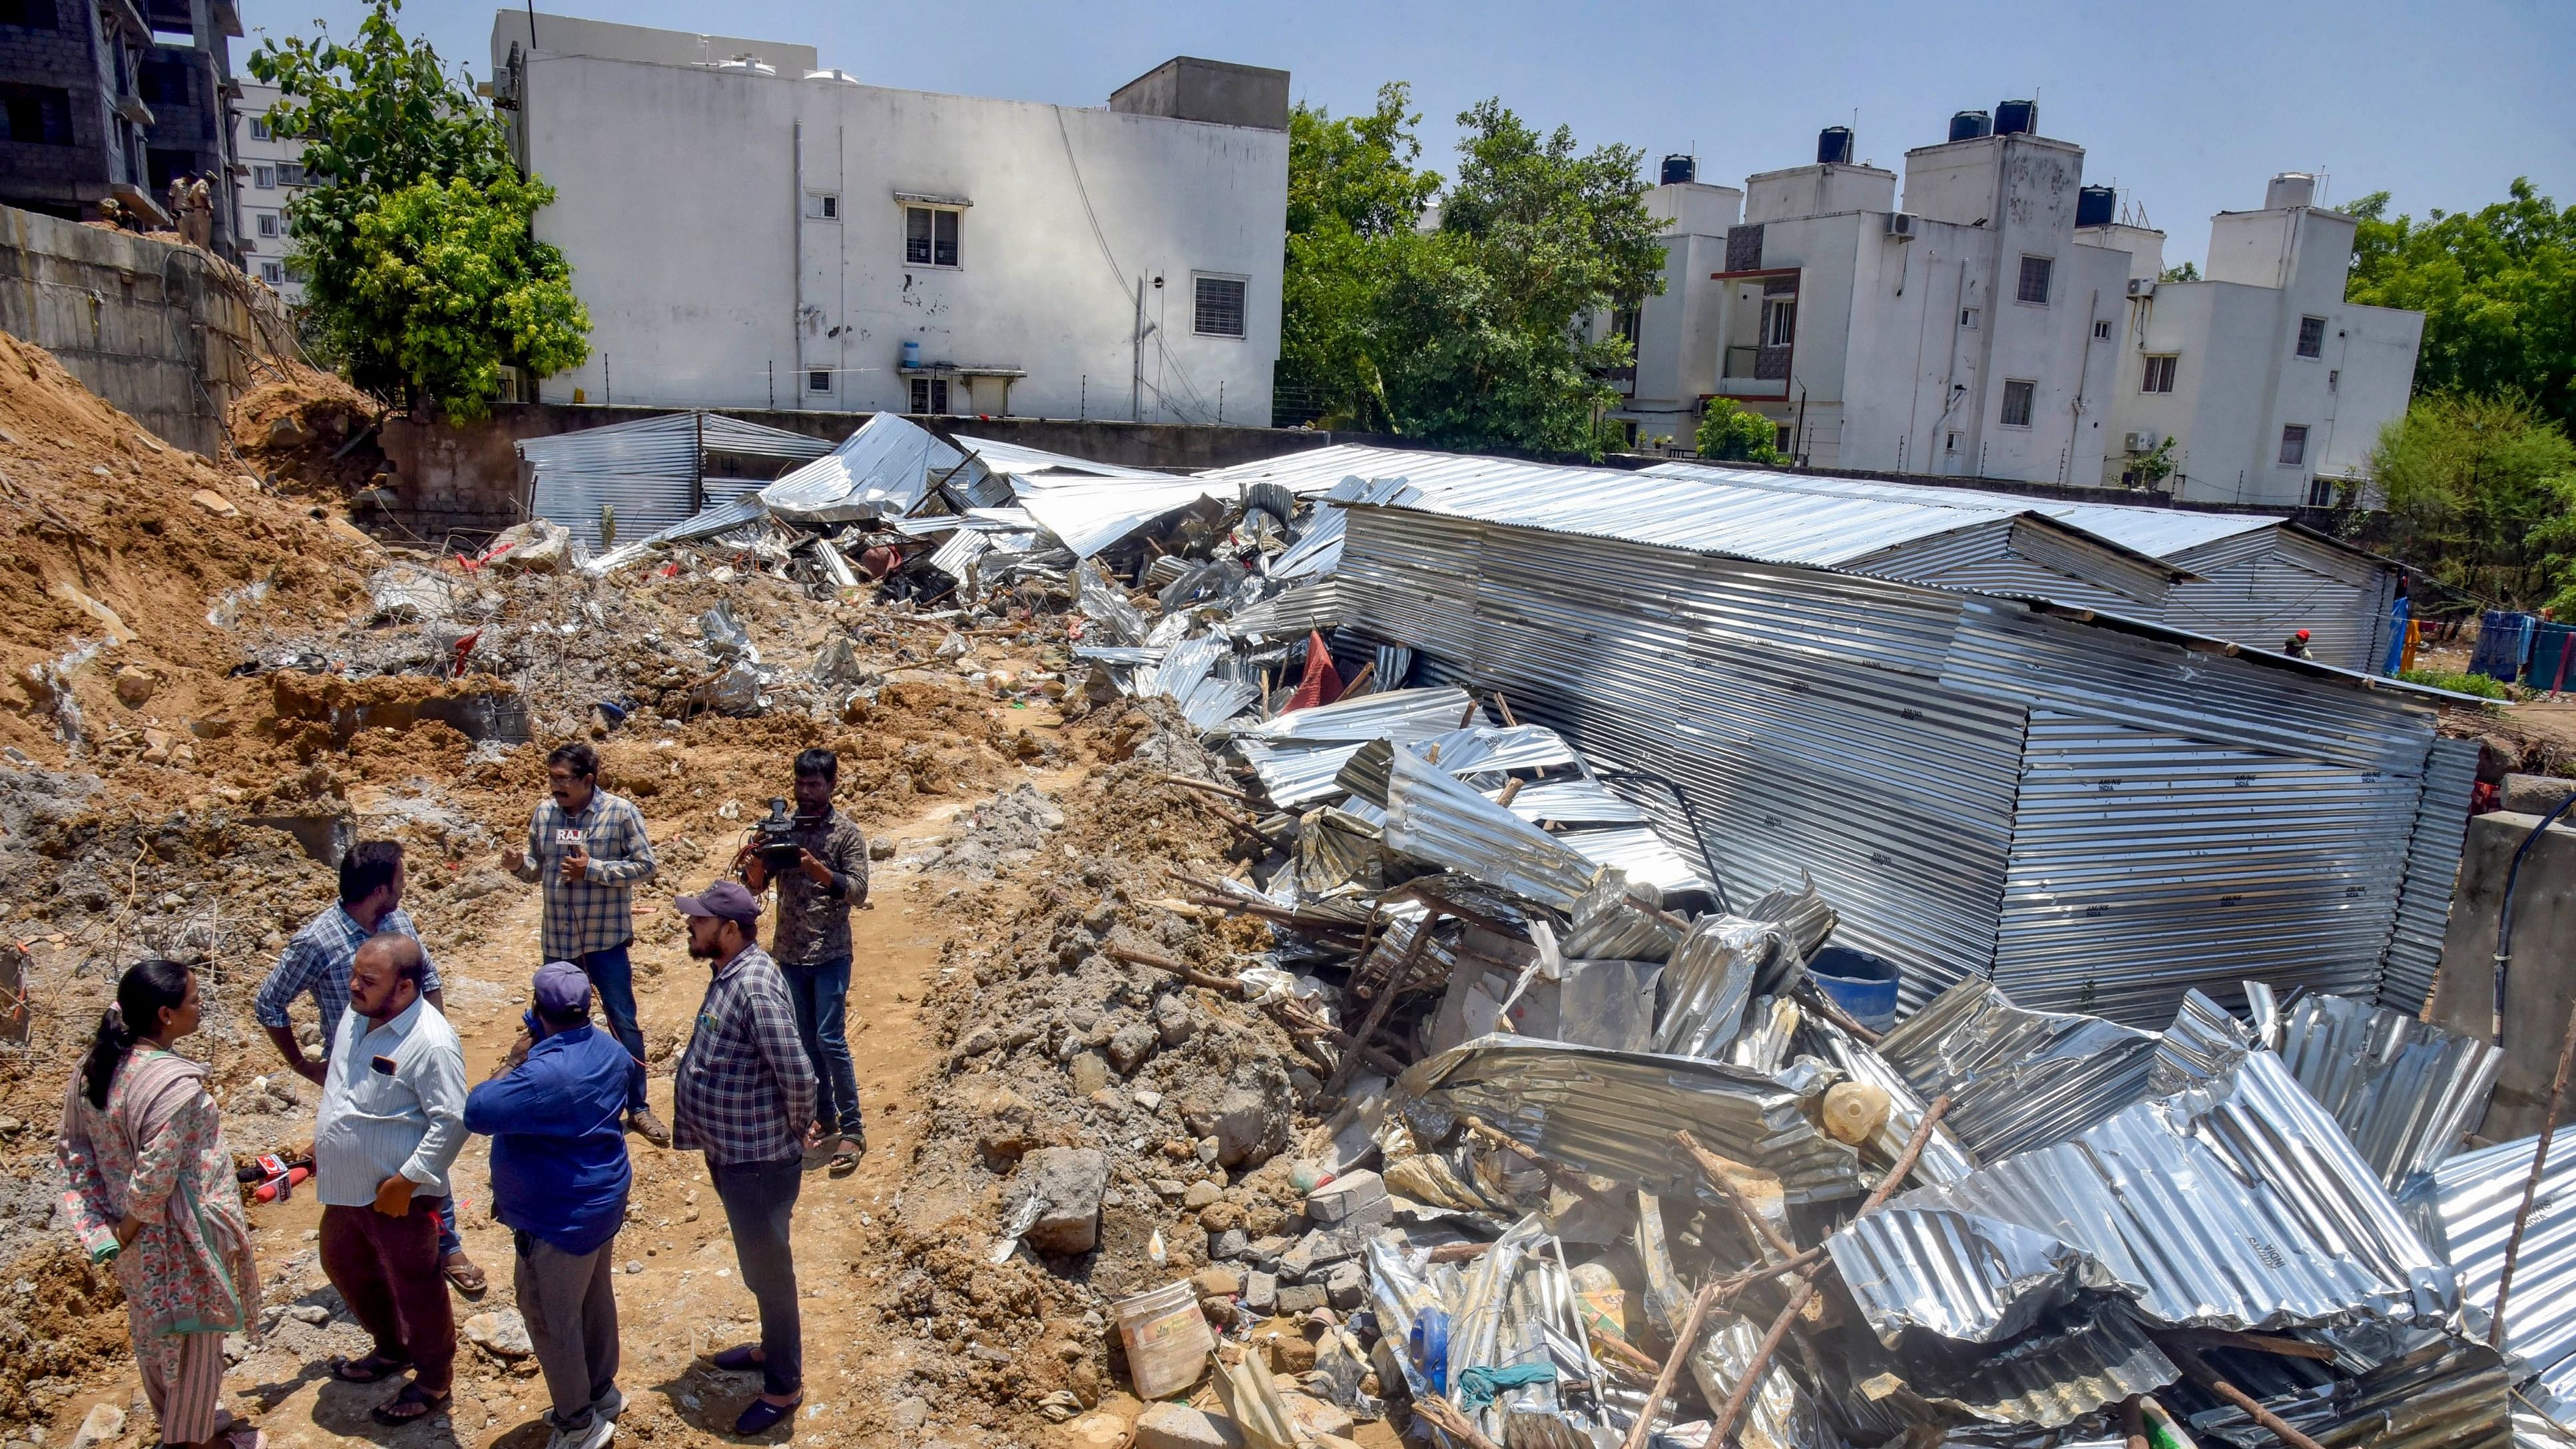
(745, 1097)
(553, 1110)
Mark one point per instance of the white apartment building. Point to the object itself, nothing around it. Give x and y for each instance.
(270, 174)
(2272, 387)
(749, 230)
(2002, 322)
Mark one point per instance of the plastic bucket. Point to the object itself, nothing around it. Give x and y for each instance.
(1167, 1339)
(911, 352)
(1859, 983)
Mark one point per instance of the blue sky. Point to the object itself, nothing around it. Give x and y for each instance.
(2187, 106)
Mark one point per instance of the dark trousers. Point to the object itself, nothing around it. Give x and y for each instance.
(613, 976)
(448, 1242)
(759, 1201)
(387, 1269)
(571, 1310)
(820, 993)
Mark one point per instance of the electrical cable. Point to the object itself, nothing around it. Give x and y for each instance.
(2504, 910)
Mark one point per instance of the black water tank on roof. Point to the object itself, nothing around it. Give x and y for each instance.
(1834, 146)
(1680, 170)
(2017, 118)
(2096, 206)
(1969, 125)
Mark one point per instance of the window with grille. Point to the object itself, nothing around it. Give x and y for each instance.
(2018, 396)
(2102, 330)
(2312, 337)
(2034, 280)
(1217, 306)
(1779, 321)
(2159, 375)
(2294, 445)
(930, 395)
(930, 236)
(819, 380)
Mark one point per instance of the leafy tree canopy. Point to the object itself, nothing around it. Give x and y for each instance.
(2480, 494)
(422, 276)
(2497, 288)
(1467, 333)
(1728, 432)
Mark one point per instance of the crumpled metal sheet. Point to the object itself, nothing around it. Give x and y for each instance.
(1943, 1159)
(1090, 512)
(884, 470)
(1318, 550)
(2235, 1203)
(1190, 675)
(2020, 1272)
(2467, 1208)
(2439, 1392)
(2053, 1379)
(1710, 981)
(1809, 918)
(1516, 1305)
(2406, 1090)
(1614, 1113)
(1432, 817)
(1106, 604)
(2017, 1079)
(1478, 750)
(1779, 1415)
(1398, 714)
(1635, 851)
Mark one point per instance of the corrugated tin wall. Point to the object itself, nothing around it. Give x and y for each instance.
(647, 471)
(1873, 732)
(2432, 874)
(2259, 586)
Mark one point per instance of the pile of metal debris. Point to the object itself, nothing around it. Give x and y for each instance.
(1622, 1168)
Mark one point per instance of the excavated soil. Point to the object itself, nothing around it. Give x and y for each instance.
(172, 783)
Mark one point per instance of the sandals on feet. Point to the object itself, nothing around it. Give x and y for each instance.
(422, 1405)
(368, 1370)
(465, 1274)
(742, 1358)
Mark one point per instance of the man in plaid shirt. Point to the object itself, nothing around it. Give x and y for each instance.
(589, 850)
(316, 962)
(745, 1097)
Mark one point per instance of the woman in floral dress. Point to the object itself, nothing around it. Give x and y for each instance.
(151, 1188)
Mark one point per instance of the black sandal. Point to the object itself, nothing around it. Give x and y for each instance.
(411, 1394)
(743, 1358)
(374, 1368)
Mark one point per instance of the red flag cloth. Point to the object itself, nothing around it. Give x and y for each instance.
(1322, 684)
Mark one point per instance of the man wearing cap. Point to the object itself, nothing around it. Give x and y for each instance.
(745, 1097)
(559, 1183)
(2296, 646)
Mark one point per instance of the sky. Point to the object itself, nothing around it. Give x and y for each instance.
(2186, 106)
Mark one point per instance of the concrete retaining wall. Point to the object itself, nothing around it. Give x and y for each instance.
(2541, 986)
(165, 332)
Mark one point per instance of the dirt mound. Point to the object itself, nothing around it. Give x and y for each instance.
(309, 432)
(115, 547)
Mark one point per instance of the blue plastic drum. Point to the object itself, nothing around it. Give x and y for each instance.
(1431, 1348)
(1860, 983)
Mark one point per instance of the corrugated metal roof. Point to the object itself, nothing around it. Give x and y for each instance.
(2432, 872)
(883, 470)
(2016, 1078)
(1614, 1113)
(2469, 1205)
(2405, 1090)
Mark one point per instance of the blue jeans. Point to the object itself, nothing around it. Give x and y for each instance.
(613, 977)
(820, 993)
(760, 1201)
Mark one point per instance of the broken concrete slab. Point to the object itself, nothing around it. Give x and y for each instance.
(1178, 1426)
(1070, 1180)
(1353, 1197)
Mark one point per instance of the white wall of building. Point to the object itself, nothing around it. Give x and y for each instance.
(688, 200)
(2238, 378)
(269, 164)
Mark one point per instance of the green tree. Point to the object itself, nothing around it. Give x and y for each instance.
(422, 275)
(2497, 288)
(1467, 334)
(2180, 272)
(2479, 493)
(1729, 432)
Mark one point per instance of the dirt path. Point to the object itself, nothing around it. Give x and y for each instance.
(678, 1293)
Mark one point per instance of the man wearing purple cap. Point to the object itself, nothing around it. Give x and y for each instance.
(745, 1097)
(553, 1110)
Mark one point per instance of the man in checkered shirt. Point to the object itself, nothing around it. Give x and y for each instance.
(745, 1097)
(316, 962)
(588, 848)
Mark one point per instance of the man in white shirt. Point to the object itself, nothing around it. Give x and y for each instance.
(392, 1121)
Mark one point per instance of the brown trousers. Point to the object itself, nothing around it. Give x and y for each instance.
(388, 1270)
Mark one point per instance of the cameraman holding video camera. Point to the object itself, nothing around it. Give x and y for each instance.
(820, 860)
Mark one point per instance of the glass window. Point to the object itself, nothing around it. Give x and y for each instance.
(1967, 319)
(2034, 280)
(1779, 321)
(823, 205)
(258, 129)
(2312, 337)
(819, 380)
(2018, 395)
(267, 223)
(930, 395)
(2159, 374)
(263, 178)
(2294, 445)
(1217, 307)
(272, 273)
(2102, 330)
(929, 236)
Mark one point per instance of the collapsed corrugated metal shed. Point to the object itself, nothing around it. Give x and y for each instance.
(2094, 812)
(652, 472)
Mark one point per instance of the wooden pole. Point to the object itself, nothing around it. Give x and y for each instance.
(1644, 1428)
(2531, 1188)
(1190, 974)
(2202, 1374)
(1712, 1169)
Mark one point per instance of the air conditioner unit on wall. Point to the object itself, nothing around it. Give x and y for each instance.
(2141, 442)
(2142, 286)
(1900, 226)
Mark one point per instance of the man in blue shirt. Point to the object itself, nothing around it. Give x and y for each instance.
(554, 1110)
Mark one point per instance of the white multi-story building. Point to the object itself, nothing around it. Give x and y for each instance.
(2003, 322)
(270, 174)
(748, 230)
(2272, 387)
